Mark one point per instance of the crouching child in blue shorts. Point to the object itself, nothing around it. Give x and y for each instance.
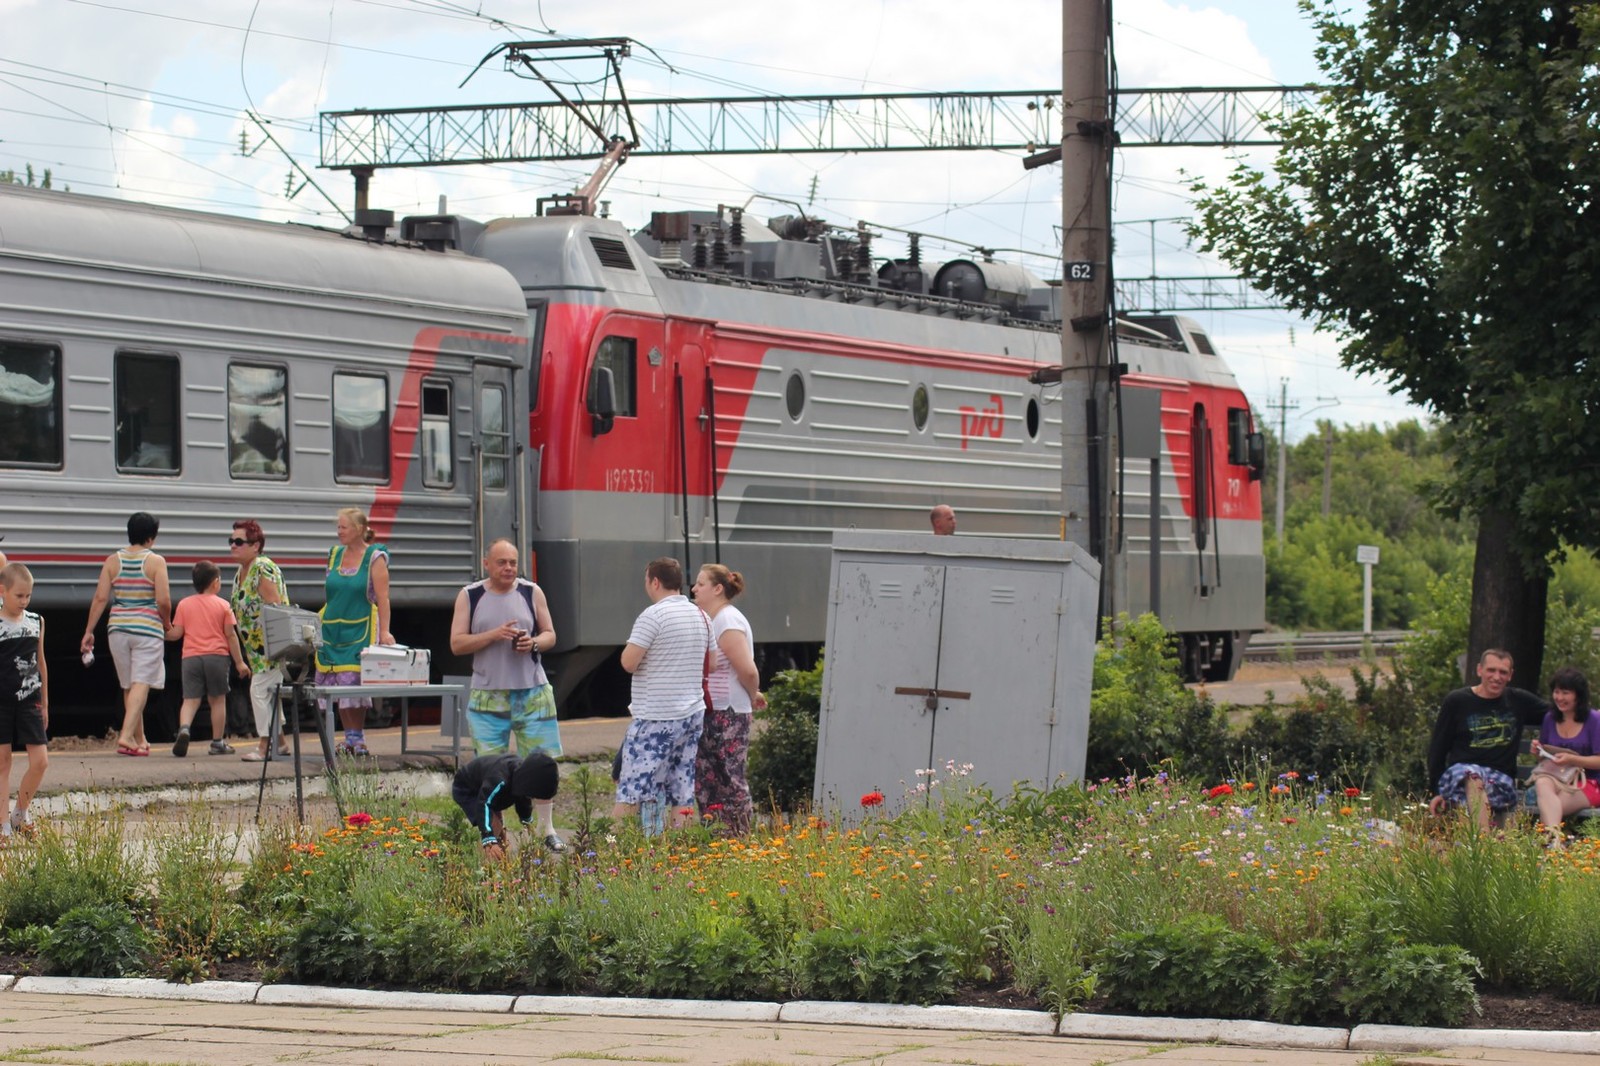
(489, 784)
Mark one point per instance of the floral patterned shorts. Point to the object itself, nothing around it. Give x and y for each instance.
(658, 760)
(1500, 789)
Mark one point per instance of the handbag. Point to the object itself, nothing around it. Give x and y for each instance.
(1567, 777)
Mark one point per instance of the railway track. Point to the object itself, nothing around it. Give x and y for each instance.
(1301, 647)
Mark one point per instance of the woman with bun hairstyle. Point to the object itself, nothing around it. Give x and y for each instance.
(735, 686)
(354, 616)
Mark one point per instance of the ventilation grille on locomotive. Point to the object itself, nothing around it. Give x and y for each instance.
(612, 253)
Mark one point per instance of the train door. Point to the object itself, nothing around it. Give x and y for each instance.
(689, 344)
(499, 453)
(631, 406)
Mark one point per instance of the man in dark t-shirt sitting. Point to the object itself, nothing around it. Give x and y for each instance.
(1472, 760)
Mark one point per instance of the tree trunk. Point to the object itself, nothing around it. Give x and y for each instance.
(1508, 604)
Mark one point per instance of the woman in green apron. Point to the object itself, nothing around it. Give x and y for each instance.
(354, 616)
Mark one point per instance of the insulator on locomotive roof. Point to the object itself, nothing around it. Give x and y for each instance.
(863, 252)
(719, 249)
(699, 248)
(914, 253)
(736, 227)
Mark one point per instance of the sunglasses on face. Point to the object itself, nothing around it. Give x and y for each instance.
(237, 542)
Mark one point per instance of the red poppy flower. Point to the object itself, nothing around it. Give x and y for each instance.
(713, 808)
(359, 818)
(1352, 792)
(1220, 790)
(872, 799)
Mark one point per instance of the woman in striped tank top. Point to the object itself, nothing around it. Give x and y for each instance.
(133, 582)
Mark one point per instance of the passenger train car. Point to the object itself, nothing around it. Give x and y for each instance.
(700, 388)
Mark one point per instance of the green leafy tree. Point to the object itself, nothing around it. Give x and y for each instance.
(1436, 209)
(11, 177)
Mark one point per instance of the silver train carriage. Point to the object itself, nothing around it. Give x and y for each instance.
(208, 369)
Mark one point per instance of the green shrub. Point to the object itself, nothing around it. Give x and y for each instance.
(95, 940)
(333, 943)
(195, 920)
(1486, 893)
(1414, 984)
(870, 967)
(706, 956)
(1320, 732)
(1374, 978)
(1141, 717)
(75, 862)
(1195, 967)
(782, 765)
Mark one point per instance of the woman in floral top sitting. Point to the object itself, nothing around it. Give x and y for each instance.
(258, 581)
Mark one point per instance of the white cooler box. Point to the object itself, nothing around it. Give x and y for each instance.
(290, 634)
(394, 664)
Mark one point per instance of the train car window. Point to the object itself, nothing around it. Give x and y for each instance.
(360, 427)
(438, 462)
(30, 404)
(258, 421)
(1202, 343)
(1239, 436)
(494, 437)
(794, 395)
(620, 356)
(919, 408)
(147, 413)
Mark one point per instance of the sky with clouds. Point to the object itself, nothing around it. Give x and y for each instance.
(148, 100)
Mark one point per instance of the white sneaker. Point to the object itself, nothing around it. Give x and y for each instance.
(22, 819)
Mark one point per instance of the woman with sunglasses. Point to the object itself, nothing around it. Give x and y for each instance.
(257, 582)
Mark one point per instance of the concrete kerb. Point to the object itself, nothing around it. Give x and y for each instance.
(901, 1016)
(138, 988)
(1417, 1038)
(876, 1015)
(366, 998)
(700, 1010)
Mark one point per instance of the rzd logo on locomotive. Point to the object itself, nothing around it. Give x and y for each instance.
(989, 422)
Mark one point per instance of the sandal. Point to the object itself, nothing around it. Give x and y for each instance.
(256, 755)
(127, 749)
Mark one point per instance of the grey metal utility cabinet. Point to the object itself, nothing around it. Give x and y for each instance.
(967, 649)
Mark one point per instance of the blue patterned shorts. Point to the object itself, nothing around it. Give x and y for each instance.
(658, 760)
(494, 714)
(1500, 789)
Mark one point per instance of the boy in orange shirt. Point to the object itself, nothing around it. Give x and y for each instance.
(206, 625)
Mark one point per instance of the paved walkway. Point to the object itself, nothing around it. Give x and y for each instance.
(89, 767)
(104, 1031)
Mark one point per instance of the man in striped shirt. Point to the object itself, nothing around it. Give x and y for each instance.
(667, 655)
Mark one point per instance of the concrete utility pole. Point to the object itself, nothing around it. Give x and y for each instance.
(1284, 407)
(1086, 274)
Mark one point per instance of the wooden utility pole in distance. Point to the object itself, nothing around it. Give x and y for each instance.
(1086, 275)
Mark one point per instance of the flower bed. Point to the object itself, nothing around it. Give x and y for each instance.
(1266, 897)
